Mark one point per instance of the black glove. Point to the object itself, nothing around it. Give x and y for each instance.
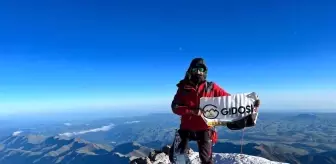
(257, 103)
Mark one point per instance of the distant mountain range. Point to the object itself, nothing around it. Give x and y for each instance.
(29, 149)
(292, 138)
(36, 149)
(47, 150)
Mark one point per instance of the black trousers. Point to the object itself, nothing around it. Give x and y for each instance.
(203, 139)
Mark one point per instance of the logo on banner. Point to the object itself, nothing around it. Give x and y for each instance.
(211, 112)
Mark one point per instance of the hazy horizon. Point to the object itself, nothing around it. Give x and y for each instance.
(105, 114)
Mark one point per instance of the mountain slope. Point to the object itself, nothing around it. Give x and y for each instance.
(328, 157)
(35, 149)
(43, 150)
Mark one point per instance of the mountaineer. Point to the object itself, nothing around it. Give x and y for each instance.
(186, 104)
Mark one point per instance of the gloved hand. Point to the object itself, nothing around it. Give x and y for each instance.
(257, 103)
(197, 112)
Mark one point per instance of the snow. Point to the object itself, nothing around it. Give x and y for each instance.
(225, 158)
(241, 159)
(228, 158)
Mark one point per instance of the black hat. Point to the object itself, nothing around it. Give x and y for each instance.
(197, 62)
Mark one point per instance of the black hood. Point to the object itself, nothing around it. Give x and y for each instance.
(196, 62)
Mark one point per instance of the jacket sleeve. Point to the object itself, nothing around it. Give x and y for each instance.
(219, 91)
(177, 107)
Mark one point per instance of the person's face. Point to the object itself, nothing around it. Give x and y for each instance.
(197, 74)
(199, 71)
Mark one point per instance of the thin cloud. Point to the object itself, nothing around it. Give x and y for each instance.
(67, 124)
(101, 129)
(132, 122)
(16, 133)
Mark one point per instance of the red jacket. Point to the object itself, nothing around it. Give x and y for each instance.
(187, 99)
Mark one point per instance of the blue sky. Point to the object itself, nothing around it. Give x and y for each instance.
(74, 55)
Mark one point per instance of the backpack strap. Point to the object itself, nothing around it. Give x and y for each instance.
(208, 86)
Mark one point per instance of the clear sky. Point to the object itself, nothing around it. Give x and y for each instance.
(62, 55)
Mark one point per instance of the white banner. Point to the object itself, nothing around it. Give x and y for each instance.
(220, 110)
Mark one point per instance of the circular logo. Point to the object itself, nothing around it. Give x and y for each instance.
(210, 111)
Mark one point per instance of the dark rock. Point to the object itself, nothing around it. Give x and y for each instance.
(151, 155)
(166, 149)
(143, 160)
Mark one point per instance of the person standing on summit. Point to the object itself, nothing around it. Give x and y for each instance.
(186, 104)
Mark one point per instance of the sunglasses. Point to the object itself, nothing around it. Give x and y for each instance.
(201, 69)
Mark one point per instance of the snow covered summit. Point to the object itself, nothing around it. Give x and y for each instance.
(218, 158)
(228, 158)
